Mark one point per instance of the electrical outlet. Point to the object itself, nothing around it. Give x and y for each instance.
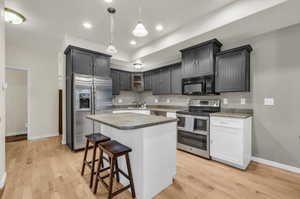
(225, 101)
(243, 100)
(120, 101)
(269, 101)
(168, 101)
(156, 100)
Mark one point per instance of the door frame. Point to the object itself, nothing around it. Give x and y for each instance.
(28, 75)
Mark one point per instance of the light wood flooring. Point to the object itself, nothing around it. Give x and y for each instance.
(45, 169)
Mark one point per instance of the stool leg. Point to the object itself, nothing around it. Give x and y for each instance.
(84, 157)
(98, 171)
(130, 175)
(93, 165)
(117, 171)
(111, 177)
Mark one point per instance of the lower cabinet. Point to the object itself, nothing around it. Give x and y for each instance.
(230, 140)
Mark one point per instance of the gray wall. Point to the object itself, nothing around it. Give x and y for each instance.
(275, 65)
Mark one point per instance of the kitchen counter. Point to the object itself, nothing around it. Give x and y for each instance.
(126, 121)
(162, 109)
(232, 115)
(153, 141)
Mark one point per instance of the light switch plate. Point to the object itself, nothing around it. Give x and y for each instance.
(156, 100)
(168, 101)
(269, 101)
(120, 101)
(243, 100)
(225, 101)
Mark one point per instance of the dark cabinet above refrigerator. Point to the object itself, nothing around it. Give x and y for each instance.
(233, 70)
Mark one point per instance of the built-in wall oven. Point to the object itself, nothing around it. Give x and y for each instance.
(193, 126)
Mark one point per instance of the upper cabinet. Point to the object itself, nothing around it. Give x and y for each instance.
(87, 62)
(115, 76)
(199, 60)
(176, 84)
(125, 80)
(147, 80)
(233, 70)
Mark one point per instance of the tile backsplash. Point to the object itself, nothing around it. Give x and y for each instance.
(234, 100)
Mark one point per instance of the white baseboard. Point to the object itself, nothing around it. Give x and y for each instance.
(32, 138)
(3, 180)
(15, 133)
(277, 165)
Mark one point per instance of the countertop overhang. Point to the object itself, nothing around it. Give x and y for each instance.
(128, 121)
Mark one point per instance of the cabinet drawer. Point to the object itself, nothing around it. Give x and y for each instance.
(227, 122)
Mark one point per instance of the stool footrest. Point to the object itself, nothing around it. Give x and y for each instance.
(120, 190)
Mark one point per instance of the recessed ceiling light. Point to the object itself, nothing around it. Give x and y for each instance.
(108, 1)
(13, 17)
(159, 27)
(87, 25)
(132, 42)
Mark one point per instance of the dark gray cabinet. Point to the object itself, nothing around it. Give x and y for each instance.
(101, 65)
(115, 76)
(199, 60)
(233, 70)
(176, 79)
(87, 62)
(155, 81)
(82, 62)
(147, 81)
(125, 80)
(165, 80)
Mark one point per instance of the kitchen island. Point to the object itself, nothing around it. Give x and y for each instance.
(153, 142)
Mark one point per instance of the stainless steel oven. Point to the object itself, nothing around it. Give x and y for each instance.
(193, 126)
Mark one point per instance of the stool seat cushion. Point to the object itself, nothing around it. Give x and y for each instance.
(97, 137)
(115, 147)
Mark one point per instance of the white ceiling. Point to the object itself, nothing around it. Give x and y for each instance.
(58, 17)
(184, 21)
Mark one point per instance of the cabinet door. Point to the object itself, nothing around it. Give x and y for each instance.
(101, 65)
(165, 81)
(155, 81)
(115, 82)
(231, 72)
(82, 62)
(147, 81)
(203, 61)
(125, 80)
(176, 79)
(188, 62)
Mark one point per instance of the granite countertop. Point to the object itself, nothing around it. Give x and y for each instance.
(233, 115)
(127, 121)
(162, 109)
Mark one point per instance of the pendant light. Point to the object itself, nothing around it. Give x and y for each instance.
(140, 30)
(111, 48)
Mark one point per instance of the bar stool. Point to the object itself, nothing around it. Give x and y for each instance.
(114, 150)
(95, 139)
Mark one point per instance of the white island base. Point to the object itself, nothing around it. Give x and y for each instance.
(153, 156)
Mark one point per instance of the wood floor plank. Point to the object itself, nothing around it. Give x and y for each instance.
(46, 169)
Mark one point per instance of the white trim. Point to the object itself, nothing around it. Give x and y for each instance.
(277, 165)
(15, 133)
(28, 73)
(3, 180)
(42, 136)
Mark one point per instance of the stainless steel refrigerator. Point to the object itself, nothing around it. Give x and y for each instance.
(90, 95)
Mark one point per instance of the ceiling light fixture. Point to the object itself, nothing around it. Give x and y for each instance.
(87, 25)
(13, 17)
(108, 1)
(159, 27)
(138, 64)
(132, 42)
(140, 30)
(111, 48)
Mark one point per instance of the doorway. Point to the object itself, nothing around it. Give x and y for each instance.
(17, 100)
